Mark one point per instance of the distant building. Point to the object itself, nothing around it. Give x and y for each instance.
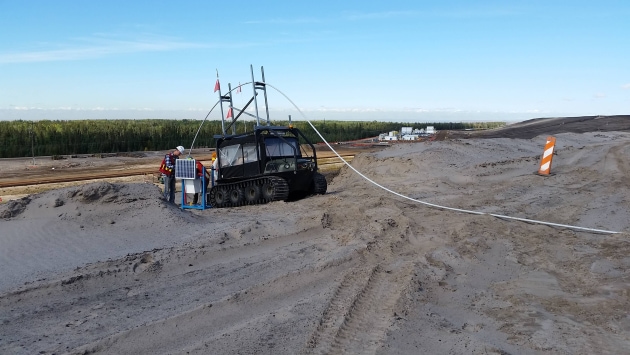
(406, 134)
(392, 136)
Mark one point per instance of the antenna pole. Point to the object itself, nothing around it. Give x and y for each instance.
(251, 68)
(262, 71)
(231, 107)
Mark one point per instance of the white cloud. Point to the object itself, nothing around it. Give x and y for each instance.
(461, 12)
(599, 95)
(96, 47)
(626, 86)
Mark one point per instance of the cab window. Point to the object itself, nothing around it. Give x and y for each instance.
(277, 147)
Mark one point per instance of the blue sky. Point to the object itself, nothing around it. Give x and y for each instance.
(383, 60)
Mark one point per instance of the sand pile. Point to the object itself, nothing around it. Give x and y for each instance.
(114, 269)
(65, 228)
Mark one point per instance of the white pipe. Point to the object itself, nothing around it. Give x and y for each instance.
(439, 206)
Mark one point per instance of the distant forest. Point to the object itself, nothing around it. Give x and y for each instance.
(49, 138)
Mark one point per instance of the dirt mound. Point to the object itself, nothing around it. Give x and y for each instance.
(107, 192)
(93, 193)
(553, 125)
(14, 208)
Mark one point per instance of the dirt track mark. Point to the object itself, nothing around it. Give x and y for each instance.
(338, 310)
(616, 161)
(187, 277)
(362, 308)
(361, 311)
(372, 312)
(200, 329)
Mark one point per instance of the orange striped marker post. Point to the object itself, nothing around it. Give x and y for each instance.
(545, 161)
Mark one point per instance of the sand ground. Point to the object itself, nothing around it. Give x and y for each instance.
(111, 268)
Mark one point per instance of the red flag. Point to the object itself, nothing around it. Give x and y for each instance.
(217, 86)
(229, 114)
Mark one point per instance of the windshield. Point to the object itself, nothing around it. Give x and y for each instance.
(277, 147)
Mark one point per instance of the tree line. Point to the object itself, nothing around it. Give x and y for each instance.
(48, 138)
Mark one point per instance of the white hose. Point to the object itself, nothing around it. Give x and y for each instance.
(584, 229)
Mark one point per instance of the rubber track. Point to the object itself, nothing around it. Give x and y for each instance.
(280, 191)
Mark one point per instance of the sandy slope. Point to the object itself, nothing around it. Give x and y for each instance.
(113, 269)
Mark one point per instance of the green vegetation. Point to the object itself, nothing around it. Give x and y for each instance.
(22, 138)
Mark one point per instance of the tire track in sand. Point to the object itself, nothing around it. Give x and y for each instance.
(338, 310)
(361, 311)
(208, 327)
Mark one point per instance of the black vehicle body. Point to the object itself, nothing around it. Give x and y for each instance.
(270, 163)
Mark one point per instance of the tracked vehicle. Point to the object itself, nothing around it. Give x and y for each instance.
(269, 163)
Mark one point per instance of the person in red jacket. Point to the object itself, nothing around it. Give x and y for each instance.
(168, 173)
(201, 171)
